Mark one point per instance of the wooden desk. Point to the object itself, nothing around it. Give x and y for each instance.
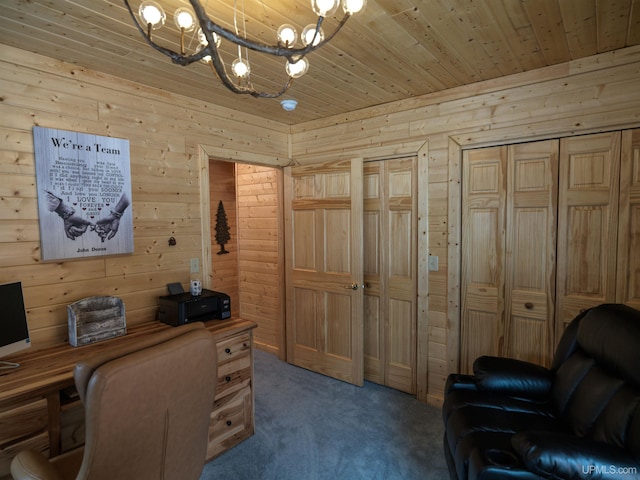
(39, 408)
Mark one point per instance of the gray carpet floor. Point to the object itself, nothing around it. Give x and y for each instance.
(312, 427)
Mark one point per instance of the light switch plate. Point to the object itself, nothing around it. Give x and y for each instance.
(195, 265)
(433, 263)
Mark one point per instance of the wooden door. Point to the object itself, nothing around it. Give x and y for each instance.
(509, 218)
(628, 283)
(587, 224)
(390, 219)
(483, 254)
(323, 242)
(532, 181)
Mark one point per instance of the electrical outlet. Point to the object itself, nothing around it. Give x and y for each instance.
(433, 263)
(195, 265)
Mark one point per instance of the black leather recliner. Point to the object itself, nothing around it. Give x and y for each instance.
(579, 419)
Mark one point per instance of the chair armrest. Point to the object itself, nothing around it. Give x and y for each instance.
(566, 456)
(512, 377)
(458, 381)
(32, 465)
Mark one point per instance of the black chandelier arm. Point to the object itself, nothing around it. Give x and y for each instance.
(221, 72)
(207, 24)
(217, 65)
(209, 27)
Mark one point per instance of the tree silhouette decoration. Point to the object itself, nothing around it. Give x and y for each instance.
(222, 229)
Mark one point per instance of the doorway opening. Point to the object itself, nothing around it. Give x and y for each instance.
(245, 200)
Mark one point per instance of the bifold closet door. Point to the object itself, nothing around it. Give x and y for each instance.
(628, 282)
(508, 249)
(483, 254)
(390, 263)
(530, 254)
(587, 224)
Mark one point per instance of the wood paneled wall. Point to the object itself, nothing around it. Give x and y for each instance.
(595, 94)
(260, 244)
(224, 266)
(169, 137)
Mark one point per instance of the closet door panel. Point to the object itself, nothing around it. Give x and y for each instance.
(372, 339)
(628, 283)
(390, 195)
(483, 254)
(531, 243)
(373, 299)
(401, 355)
(401, 277)
(587, 224)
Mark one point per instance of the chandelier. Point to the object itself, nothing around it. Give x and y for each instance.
(211, 35)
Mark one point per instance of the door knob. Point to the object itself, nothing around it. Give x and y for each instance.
(353, 286)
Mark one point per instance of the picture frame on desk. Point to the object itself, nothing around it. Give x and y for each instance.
(97, 318)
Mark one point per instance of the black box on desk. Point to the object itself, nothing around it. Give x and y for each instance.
(186, 308)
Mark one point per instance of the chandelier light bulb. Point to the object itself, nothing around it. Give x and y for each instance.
(297, 69)
(324, 8)
(353, 6)
(240, 68)
(184, 19)
(287, 35)
(203, 40)
(309, 33)
(152, 14)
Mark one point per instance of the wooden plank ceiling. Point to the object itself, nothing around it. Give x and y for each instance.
(394, 50)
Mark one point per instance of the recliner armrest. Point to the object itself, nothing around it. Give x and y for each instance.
(458, 381)
(512, 377)
(566, 456)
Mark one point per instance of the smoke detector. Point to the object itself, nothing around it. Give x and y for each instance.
(289, 105)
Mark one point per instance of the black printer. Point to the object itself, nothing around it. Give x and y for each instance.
(186, 308)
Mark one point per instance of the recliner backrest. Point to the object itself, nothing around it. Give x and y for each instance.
(597, 388)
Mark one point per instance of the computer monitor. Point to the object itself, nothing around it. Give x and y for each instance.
(14, 331)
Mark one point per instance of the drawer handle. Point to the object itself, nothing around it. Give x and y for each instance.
(227, 350)
(229, 423)
(528, 306)
(227, 378)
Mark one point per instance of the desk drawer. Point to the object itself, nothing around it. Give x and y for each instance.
(233, 348)
(23, 420)
(233, 378)
(24, 426)
(231, 421)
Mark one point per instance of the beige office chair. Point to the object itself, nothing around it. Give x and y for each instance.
(147, 409)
